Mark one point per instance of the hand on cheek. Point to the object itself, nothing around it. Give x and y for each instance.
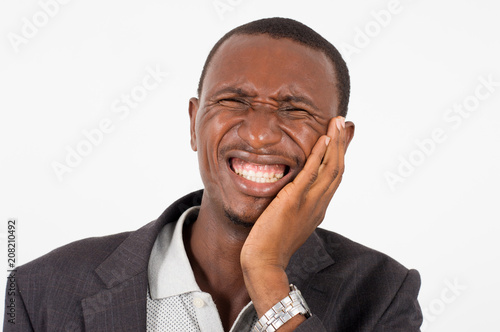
(291, 218)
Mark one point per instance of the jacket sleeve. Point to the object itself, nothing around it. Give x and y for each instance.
(404, 313)
(15, 317)
(312, 324)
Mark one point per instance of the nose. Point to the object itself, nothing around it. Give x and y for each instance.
(260, 128)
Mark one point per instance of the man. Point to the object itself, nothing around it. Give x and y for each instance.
(268, 126)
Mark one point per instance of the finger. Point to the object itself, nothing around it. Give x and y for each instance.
(332, 166)
(337, 170)
(334, 154)
(309, 173)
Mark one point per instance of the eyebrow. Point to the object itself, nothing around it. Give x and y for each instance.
(230, 89)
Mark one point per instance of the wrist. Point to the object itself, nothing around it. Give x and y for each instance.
(266, 287)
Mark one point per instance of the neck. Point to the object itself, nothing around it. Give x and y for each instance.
(213, 245)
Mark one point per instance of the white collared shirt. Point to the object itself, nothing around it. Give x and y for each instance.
(174, 300)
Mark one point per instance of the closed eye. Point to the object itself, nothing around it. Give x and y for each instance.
(233, 103)
(294, 112)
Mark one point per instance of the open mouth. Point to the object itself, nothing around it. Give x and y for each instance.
(258, 173)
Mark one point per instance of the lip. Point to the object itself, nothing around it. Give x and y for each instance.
(250, 188)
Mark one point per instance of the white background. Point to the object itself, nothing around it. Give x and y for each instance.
(442, 217)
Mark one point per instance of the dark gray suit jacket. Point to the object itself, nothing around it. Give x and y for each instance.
(100, 284)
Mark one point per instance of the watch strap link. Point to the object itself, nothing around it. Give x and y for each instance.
(283, 311)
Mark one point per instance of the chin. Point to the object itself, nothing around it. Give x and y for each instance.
(238, 221)
(247, 218)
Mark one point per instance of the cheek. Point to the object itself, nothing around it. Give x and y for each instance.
(212, 123)
(212, 129)
(304, 134)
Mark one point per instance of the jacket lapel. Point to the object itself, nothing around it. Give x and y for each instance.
(119, 308)
(121, 305)
(307, 271)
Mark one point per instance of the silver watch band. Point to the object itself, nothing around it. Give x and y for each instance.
(283, 311)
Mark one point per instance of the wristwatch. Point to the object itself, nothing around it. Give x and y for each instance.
(283, 311)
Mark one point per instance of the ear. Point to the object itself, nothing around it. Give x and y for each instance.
(349, 127)
(194, 103)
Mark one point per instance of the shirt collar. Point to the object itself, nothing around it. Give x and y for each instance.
(169, 270)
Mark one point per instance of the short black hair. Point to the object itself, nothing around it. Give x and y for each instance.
(278, 27)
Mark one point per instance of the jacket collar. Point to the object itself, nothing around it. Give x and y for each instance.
(121, 306)
(309, 259)
(132, 256)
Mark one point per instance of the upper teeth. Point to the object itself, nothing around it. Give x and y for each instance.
(259, 177)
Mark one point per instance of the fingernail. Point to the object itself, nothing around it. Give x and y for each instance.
(342, 121)
(327, 140)
(339, 123)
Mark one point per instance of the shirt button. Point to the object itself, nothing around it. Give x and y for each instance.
(198, 303)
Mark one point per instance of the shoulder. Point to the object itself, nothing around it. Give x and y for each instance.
(363, 285)
(67, 268)
(76, 263)
(354, 256)
(368, 274)
(51, 287)
(349, 286)
(79, 255)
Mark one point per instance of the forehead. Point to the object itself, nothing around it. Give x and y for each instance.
(269, 66)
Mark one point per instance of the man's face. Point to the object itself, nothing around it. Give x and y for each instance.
(264, 104)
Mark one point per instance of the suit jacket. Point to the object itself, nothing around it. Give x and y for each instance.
(100, 284)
